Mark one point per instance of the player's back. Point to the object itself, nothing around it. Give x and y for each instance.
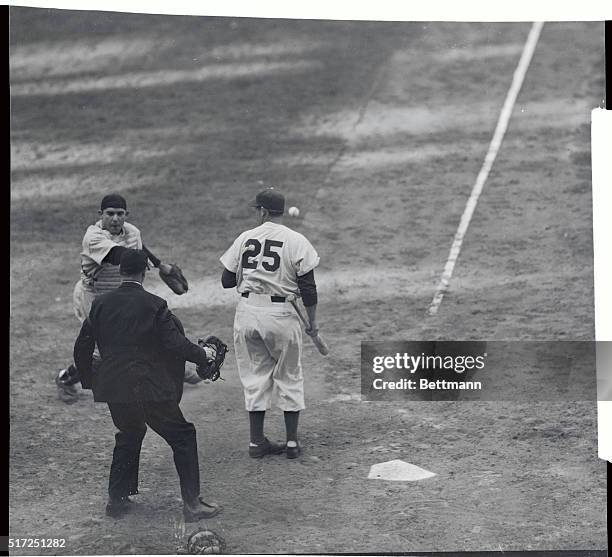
(271, 257)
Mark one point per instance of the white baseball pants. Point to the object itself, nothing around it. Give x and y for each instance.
(268, 345)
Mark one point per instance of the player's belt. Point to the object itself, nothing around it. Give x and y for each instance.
(278, 299)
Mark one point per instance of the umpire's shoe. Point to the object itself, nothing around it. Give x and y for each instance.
(200, 510)
(117, 508)
(267, 447)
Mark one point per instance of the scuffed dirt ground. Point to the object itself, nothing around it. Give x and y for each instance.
(376, 131)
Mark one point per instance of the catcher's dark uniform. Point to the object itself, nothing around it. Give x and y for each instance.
(140, 376)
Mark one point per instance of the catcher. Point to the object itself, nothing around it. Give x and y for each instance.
(103, 244)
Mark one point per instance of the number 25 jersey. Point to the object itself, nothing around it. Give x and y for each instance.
(268, 259)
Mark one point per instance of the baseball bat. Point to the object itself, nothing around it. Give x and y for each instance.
(317, 340)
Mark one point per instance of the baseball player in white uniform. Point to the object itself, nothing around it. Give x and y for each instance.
(269, 265)
(103, 244)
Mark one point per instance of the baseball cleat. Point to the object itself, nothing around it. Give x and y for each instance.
(66, 393)
(294, 452)
(267, 447)
(201, 510)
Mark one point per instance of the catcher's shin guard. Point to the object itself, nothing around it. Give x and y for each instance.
(68, 376)
(65, 382)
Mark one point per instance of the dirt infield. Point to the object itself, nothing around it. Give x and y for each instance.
(376, 131)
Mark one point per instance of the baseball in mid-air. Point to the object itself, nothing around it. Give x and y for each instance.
(293, 211)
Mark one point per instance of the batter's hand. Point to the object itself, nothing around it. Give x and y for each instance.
(312, 330)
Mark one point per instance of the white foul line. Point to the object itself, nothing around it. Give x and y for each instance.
(496, 141)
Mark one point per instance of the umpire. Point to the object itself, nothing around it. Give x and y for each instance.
(140, 343)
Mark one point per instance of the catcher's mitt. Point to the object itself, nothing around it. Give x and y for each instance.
(212, 370)
(174, 278)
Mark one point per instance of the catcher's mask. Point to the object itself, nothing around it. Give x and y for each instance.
(205, 542)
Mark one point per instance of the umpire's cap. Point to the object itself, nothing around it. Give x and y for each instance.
(133, 262)
(270, 199)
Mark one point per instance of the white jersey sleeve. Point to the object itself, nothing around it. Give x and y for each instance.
(305, 257)
(268, 259)
(231, 258)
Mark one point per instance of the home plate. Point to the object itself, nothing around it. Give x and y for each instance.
(398, 471)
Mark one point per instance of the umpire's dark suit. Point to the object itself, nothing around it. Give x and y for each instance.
(140, 375)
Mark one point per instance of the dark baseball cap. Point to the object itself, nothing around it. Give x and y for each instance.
(113, 200)
(270, 199)
(133, 262)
